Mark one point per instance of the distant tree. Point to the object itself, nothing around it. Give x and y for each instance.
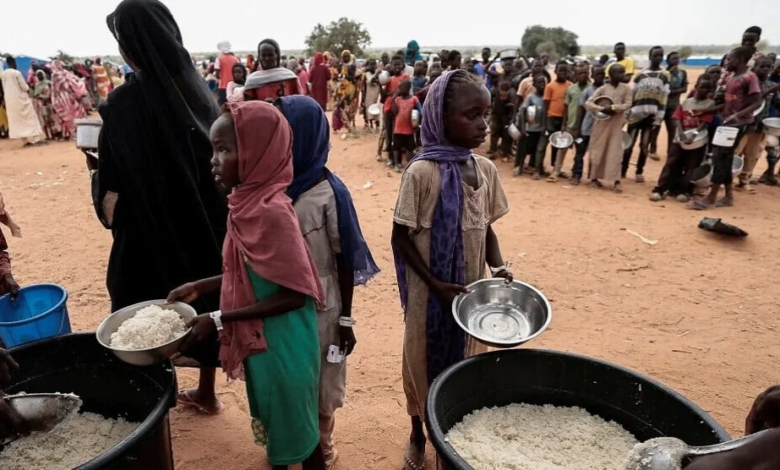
(550, 48)
(337, 36)
(63, 56)
(560, 38)
(762, 45)
(685, 52)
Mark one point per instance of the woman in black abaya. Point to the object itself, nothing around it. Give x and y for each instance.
(153, 187)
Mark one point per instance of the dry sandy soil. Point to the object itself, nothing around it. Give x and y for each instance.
(700, 314)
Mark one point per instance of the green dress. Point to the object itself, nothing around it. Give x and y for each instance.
(282, 383)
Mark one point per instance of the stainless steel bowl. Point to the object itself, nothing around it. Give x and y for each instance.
(699, 140)
(375, 110)
(627, 141)
(143, 357)
(772, 126)
(513, 131)
(561, 140)
(416, 118)
(603, 101)
(384, 77)
(502, 315)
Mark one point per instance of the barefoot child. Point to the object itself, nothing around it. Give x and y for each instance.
(269, 286)
(755, 140)
(530, 130)
(606, 142)
(572, 118)
(403, 130)
(553, 120)
(693, 116)
(330, 227)
(442, 237)
(586, 127)
(742, 96)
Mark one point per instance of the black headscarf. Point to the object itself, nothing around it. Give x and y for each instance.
(169, 221)
(276, 48)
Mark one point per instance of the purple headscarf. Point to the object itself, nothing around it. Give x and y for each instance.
(445, 340)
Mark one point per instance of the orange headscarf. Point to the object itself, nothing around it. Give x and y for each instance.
(263, 230)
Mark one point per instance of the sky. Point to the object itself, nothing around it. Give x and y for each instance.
(78, 26)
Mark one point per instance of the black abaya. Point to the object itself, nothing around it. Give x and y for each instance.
(169, 219)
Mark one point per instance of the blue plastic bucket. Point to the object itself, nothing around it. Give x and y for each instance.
(40, 311)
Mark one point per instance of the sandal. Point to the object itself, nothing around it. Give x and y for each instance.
(330, 460)
(552, 179)
(595, 184)
(697, 206)
(724, 203)
(618, 188)
(410, 464)
(184, 398)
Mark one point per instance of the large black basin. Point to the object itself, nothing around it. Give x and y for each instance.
(644, 407)
(77, 363)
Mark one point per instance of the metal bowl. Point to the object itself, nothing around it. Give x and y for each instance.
(502, 315)
(513, 131)
(416, 118)
(143, 357)
(375, 110)
(627, 141)
(530, 114)
(702, 175)
(700, 139)
(772, 126)
(384, 77)
(603, 101)
(737, 165)
(561, 140)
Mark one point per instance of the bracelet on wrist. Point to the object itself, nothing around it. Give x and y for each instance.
(347, 322)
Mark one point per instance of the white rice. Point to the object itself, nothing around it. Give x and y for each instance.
(151, 326)
(74, 442)
(530, 437)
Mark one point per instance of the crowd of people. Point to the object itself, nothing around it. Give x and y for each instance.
(44, 105)
(234, 210)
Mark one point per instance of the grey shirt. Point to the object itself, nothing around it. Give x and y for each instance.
(588, 120)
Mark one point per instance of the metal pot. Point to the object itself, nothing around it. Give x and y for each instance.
(530, 113)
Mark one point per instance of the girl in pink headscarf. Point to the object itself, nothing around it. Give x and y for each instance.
(270, 288)
(67, 94)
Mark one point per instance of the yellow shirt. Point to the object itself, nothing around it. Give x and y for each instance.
(627, 62)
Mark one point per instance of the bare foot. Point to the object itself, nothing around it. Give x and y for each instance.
(618, 188)
(16, 231)
(191, 398)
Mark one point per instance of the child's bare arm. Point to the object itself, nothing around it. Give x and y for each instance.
(493, 255)
(403, 243)
(5, 219)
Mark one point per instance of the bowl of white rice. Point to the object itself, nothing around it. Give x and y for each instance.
(548, 410)
(146, 333)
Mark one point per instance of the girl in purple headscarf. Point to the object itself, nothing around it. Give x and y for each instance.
(442, 237)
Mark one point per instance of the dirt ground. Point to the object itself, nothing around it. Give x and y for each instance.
(696, 312)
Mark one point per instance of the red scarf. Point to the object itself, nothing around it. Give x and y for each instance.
(263, 229)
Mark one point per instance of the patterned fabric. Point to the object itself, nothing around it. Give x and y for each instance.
(445, 339)
(67, 94)
(651, 90)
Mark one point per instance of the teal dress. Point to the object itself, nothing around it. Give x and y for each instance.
(282, 383)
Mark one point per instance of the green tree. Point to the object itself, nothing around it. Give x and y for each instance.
(63, 56)
(337, 36)
(685, 52)
(558, 39)
(762, 45)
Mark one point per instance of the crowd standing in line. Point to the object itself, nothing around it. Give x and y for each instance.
(272, 268)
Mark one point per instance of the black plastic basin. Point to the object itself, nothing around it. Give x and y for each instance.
(78, 364)
(644, 407)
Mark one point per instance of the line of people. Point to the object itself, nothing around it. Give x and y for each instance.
(45, 105)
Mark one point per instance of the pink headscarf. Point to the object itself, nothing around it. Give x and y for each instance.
(263, 229)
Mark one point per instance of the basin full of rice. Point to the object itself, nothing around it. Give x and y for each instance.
(150, 327)
(72, 443)
(531, 437)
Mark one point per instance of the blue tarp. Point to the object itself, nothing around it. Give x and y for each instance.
(24, 63)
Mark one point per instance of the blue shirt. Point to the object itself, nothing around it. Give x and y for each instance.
(774, 110)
